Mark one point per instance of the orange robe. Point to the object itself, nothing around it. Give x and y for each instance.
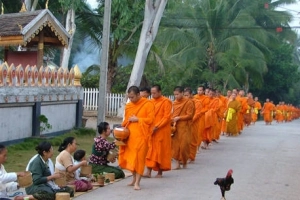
(211, 118)
(279, 113)
(225, 105)
(232, 117)
(257, 107)
(247, 115)
(204, 108)
(159, 154)
(243, 110)
(181, 139)
(195, 129)
(267, 112)
(132, 156)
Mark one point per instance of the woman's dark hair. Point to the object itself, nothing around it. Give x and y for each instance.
(43, 146)
(66, 142)
(102, 127)
(2, 147)
(79, 154)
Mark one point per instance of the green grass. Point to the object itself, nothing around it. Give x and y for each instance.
(19, 154)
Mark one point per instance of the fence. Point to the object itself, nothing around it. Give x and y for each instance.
(113, 101)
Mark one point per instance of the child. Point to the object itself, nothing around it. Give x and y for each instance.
(79, 156)
(7, 180)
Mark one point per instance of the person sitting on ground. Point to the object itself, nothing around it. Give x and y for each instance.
(100, 150)
(79, 156)
(7, 180)
(65, 164)
(43, 186)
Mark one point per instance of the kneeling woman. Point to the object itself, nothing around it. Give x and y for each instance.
(100, 151)
(43, 187)
(65, 164)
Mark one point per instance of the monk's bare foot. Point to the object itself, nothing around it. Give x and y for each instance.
(158, 176)
(176, 168)
(184, 166)
(136, 187)
(191, 162)
(147, 175)
(130, 184)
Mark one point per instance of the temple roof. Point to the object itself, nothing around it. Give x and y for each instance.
(23, 29)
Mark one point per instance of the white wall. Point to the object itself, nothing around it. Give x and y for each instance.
(15, 123)
(61, 117)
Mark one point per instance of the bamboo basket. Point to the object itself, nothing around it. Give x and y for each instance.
(26, 180)
(86, 170)
(62, 196)
(110, 176)
(61, 181)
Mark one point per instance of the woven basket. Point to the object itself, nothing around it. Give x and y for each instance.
(26, 180)
(112, 155)
(86, 170)
(110, 176)
(62, 196)
(61, 181)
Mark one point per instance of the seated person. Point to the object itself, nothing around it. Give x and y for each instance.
(43, 187)
(100, 150)
(79, 156)
(65, 164)
(7, 180)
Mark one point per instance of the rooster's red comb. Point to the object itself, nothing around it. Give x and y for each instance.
(229, 173)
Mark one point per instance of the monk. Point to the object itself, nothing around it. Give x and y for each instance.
(256, 109)
(232, 116)
(225, 105)
(159, 154)
(183, 111)
(145, 92)
(195, 125)
(139, 116)
(279, 113)
(211, 117)
(240, 97)
(204, 108)
(220, 114)
(273, 111)
(267, 112)
(250, 106)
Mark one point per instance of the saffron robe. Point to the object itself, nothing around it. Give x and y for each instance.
(242, 111)
(132, 156)
(195, 134)
(211, 119)
(248, 115)
(204, 108)
(159, 154)
(232, 117)
(267, 112)
(257, 107)
(181, 140)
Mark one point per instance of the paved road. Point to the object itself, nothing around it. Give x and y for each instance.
(265, 162)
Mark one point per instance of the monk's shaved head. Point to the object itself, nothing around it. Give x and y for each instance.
(178, 89)
(133, 89)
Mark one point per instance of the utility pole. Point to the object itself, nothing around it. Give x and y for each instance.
(104, 62)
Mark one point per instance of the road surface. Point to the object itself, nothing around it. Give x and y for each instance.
(265, 162)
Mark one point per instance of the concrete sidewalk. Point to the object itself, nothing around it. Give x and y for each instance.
(265, 162)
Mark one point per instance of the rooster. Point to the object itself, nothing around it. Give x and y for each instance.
(225, 183)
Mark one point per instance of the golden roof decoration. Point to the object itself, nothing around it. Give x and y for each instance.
(2, 9)
(77, 76)
(23, 8)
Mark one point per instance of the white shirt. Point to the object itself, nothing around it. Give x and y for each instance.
(7, 182)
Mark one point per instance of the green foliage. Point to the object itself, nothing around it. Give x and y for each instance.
(44, 124)
(90, 78)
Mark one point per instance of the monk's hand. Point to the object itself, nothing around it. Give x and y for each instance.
(155, 129)
(175, 119)
(133, 118)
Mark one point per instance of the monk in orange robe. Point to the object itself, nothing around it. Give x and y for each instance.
(267, 112)
(242, 111)
(250, 106)
(218, 108)
(232, 115)
(279, 113)
(139, 117)
(195, 125)
(225, 104)
(183, 112)
(256, 109)
(204, 108)
(159, 154)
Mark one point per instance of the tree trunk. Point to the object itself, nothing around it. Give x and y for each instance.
(28, 5)
(112, 65)
(70, 27)
(152, 17)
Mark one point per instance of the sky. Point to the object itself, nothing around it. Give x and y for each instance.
(93, 3)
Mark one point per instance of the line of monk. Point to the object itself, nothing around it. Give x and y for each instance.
(197, 121)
